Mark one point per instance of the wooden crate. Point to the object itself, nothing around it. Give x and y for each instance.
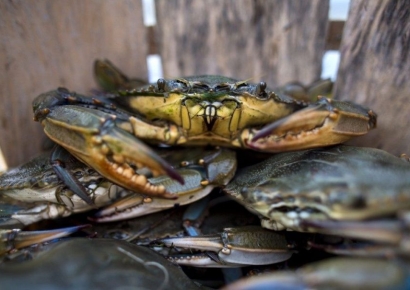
(45, 44)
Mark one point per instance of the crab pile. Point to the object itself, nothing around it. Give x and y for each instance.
(209, 172)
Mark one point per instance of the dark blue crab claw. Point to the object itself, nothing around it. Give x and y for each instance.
(101, 141)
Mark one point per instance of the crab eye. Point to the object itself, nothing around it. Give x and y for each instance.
(260, 90)
(161, 85)
(262, 86)
(179, 85)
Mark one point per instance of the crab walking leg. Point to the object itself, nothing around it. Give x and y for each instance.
(94, 137)
(193, 218)
(194, 215)
(328, 122)
(169, 134)
(110, 78)
(58, 156)
(17, 239)
(40, 212)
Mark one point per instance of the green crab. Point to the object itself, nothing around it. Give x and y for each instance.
(111, 133)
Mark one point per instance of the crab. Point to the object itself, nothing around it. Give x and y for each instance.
(111, 133)
(352, 192)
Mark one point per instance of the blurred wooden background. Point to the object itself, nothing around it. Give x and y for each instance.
(45, 44)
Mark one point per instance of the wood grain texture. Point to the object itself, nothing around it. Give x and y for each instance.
(45, 44)
(277, 41)
(334, 34)
(375, 69)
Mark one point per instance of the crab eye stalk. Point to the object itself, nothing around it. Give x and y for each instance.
(161, 85)
(260, 90)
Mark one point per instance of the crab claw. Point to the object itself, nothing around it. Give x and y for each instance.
(101, 140)
(234, 247)
(136, 205)
(202, 170)
(17, 239)
(327, 122)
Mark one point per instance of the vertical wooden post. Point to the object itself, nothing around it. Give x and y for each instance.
(375, 69)
(275, 41)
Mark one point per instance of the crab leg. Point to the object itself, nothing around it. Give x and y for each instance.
(110, 78)
(17, 239)
(234, 247)
(327, 122)
(57, 160)
(40, 212)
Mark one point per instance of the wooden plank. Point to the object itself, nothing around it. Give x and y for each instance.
(375, 69)
(277, 41)
(45, 44)
(334, 34)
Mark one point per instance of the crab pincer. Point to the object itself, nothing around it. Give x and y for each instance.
(327, 122)
(102, 140)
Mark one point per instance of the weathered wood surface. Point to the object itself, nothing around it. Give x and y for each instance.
(375, 69)
(277, 41)
(45, 44)
(49, 43)
(334, 34)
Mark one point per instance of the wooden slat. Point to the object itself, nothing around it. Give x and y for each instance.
(375, 69)
(49, 43)
(277, 41)
(334, 34)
